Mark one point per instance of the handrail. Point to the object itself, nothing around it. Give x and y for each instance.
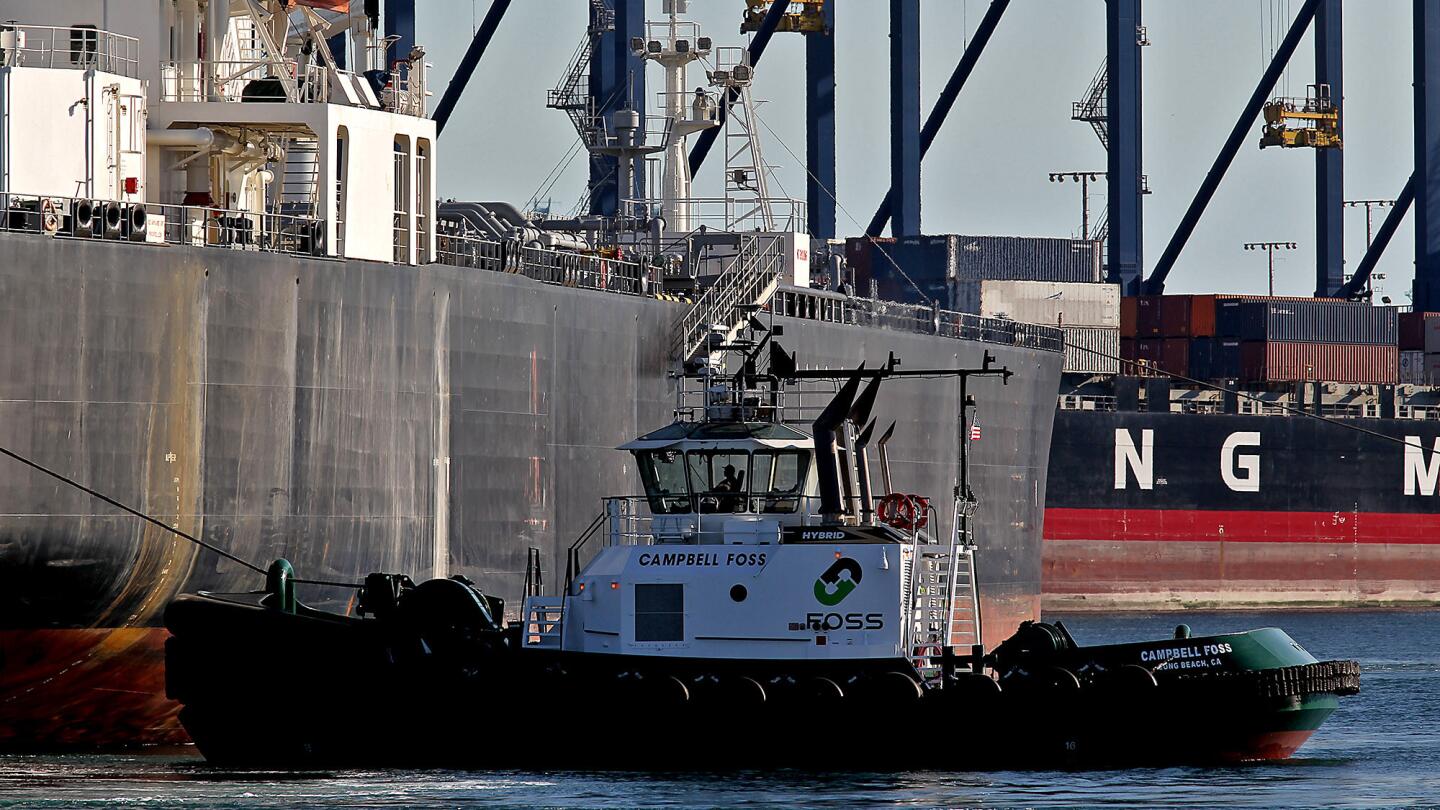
(69, 47)
(572, 556)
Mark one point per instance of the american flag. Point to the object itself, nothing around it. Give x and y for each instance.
(975, 431)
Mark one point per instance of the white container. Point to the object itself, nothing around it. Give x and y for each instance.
(1412, 368)
(1054, 303)
(1103, 343)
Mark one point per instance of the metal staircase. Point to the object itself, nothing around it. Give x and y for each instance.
(1093, 107)
(744, 287)
(300, 178)
(572, 94)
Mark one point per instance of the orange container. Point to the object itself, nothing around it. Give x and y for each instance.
(1202, 316)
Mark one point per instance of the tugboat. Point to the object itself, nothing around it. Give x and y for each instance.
(761, 604)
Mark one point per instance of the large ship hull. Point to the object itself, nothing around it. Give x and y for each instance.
(1240, 511)
(354, 417)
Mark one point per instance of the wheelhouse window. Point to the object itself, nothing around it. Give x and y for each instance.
(777, 478)
(717, 477)
(663, 474)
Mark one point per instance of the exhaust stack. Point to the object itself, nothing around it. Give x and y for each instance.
(885, 459)
(827, 466)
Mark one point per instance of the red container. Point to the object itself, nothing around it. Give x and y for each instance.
(1202, 316)
(1128, 349)
(1283, 361)
(1175, 316)
(1147, 316)
(1128, 318)
(1417, 329)
(1175, 356)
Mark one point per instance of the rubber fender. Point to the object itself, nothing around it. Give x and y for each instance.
(897, 687)
(823, 690)
(670, 691)
(1132, 676)
(972, 686)
(742, 691)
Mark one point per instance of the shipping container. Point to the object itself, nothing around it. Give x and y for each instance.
(1129, 349)
(1224, 359)
(1017, 258)
(1147, 316)
(1200, 349)
(1414, 369)
(1175, 356)
(1308, 321)
(948, 269)
(1420, 331)
(1063, 303)
(1103, 343)
(1202, 316)
(1128, 316)
(1293, 361)
(1174, 316)
(1149, 350)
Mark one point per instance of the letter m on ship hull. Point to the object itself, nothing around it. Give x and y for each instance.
(1422, 474)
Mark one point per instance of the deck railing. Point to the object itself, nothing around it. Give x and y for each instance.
(76, 47)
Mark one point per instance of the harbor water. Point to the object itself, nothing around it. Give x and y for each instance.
(1380, 749)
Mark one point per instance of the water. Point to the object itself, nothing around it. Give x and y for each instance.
(1381, 749)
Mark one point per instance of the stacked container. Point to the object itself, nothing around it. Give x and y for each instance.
(1263, 339)
(950, 268)
(1420, 348)
(1088, 313)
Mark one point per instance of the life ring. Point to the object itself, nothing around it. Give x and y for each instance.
(898, 510)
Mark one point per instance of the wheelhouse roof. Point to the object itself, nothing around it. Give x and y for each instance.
(721, 434)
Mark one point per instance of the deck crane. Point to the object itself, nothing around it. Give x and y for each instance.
(1313, 121)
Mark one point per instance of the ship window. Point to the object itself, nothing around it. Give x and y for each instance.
(777, 478)
(717, 477)
(663, 474)
(659, 612)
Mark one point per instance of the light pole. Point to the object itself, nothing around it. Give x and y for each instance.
(1083, 178)
(1270, 248)
(1370, 205)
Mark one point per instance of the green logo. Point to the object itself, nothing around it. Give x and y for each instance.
(830, 589)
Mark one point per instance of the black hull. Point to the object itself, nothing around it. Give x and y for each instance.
(352, 417)
(1336, 517)
(264, 689)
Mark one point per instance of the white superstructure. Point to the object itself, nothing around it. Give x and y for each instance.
(216, 122)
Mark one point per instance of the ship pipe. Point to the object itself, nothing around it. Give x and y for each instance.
(1155, 285)
(862, 468)
(706, 139)
(1352, 288)
(860, 415)
(943, 105)
(827, 468)
(467, 65)
(885, 458)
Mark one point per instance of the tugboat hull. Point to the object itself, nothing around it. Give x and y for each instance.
(263, 688)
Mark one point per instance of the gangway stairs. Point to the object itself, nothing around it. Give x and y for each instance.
(744, 287)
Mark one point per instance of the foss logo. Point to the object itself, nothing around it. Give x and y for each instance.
(830, 588)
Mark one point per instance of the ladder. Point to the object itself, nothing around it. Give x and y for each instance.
(744, 287)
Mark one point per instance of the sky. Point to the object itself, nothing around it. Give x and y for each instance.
(987, 171)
